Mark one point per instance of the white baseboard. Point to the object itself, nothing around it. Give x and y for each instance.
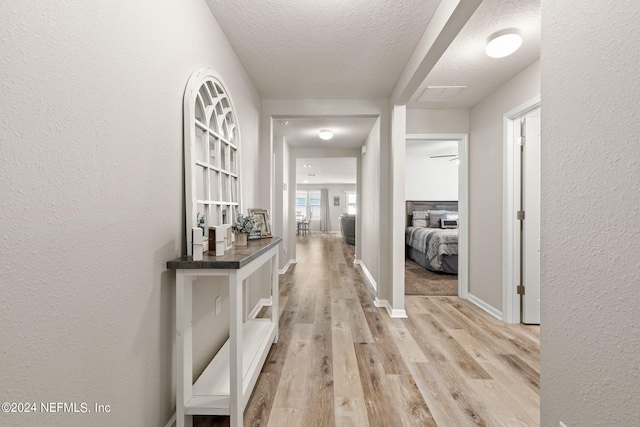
(286, 267)
(367, 274)
(264, 302)
(393, 313)
(172, 421)
(486, 307)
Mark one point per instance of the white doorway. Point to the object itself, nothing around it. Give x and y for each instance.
(431, 183)
(463, 195)
(521, 274)
(338, 176)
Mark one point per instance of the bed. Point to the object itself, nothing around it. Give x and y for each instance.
(427, 243)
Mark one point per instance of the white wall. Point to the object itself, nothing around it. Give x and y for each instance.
(92, 200)
(486, 182)
(369, 204)
(429, 178)
(280, 207)
(335, 190)
(437, 121)
(590, 344)
(286, 194)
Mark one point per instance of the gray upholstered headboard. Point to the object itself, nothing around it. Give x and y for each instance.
(421, 205)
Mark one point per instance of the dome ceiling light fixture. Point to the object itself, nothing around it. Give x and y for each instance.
(325, 134)
(503, 43)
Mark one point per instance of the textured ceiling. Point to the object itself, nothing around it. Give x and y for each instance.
(465, 63)
(339, 49)
(336, 170)
(349, 132)
(324, 48)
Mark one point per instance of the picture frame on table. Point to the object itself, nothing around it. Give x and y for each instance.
(263, 223)
(255, 234)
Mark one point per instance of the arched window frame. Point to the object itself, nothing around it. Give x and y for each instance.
(211, 154)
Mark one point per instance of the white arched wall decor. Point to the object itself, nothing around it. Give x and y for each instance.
(211, 153)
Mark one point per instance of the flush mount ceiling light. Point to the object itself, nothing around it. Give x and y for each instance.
(503, 43)
(325, 134)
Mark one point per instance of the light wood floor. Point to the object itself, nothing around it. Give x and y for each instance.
(340, 361)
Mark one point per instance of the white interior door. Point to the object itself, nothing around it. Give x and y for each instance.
(531, 223)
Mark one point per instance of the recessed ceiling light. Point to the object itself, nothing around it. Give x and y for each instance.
(325, 134)
(503, 43)
(305, 181)
(306, 166)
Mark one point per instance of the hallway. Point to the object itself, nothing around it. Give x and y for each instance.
(341, 361)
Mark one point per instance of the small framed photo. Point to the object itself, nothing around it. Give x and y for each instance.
(336, 201)
(262, 221)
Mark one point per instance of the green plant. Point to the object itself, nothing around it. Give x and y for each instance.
(243, 224)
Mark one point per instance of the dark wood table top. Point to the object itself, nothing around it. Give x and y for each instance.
(234, 258)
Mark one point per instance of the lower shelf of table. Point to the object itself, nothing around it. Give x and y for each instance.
(211, 391)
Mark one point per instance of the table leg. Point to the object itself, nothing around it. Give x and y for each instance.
(184, 340)
(235, 343)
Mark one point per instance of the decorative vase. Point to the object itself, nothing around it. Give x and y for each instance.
(241, 239)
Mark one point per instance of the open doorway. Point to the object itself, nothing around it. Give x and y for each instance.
(325, 194)
(436, 216)
(431, 190)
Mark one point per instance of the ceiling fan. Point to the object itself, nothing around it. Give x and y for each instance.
(454, 157)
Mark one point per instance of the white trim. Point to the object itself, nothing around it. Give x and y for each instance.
(463, 216)
(284, 269)
(510, 233)
(393, 313)
(486, 307)
(367, 275)
(264, 302)
(463, 202)
(172, 421)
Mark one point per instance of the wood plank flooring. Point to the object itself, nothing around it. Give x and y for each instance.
(341, 361)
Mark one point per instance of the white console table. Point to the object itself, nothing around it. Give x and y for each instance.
(225, 386)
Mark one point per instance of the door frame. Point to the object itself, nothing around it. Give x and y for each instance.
(463, 203)
(511, 227)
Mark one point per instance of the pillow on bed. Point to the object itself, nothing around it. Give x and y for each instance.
(419, 219)
(451, 214)
(434, 219)
(420, 215)
(419, 223)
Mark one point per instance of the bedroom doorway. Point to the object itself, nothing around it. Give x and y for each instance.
(436, 180)
(521, 275)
